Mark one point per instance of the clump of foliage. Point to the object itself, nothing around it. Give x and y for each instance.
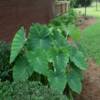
(63, 22)
(28, 91)
(66, 19)
(44, 55)
(46, 52)
(5, 68)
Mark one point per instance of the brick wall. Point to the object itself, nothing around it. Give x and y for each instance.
(14, 13)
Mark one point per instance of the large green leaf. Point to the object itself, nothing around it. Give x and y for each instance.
(57, 81)
(17, 44)
(78, 59)
(38, 60)
(60, 62)
(57, 78)
(59, 56)
(78, 72)
(58, 53)
(38, 37)
(74, 82)
(22, 70)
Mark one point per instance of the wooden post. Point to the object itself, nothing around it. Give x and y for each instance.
(85, 9)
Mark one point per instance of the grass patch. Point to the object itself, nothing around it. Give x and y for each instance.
(90, 40)
(91, 11)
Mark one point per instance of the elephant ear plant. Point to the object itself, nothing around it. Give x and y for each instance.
(46, 52)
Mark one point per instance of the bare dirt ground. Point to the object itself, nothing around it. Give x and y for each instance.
(91, 84)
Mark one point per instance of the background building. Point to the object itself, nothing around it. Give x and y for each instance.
(14, 13)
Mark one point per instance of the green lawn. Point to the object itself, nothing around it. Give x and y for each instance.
(90, 40)
(91, 11)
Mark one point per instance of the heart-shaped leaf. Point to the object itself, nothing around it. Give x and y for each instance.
(78, 59)
(38, 60)
(38, 37)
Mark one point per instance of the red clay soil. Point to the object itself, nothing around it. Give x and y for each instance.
(87, 22)
(91, 84)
